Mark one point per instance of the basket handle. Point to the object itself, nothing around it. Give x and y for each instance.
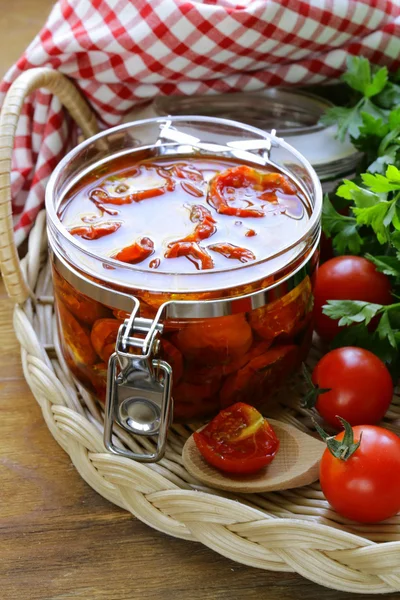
(80, 111)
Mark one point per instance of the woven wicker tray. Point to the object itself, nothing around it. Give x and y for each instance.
(294, 530)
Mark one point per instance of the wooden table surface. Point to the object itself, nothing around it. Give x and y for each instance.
(58, 538)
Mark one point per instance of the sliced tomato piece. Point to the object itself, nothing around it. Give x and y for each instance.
(234, 252)
(137, 252)
(173, 356)
(99, 196)
(76, 337)
(238, 440)
(98, 379)
(259, 377)
(206, 224)
(198, 373)
(249, 186)
(95, 231)
(194, 401)
(85, 310)
(283, 316)
(218, 340)
(103, 336)
(197, 255)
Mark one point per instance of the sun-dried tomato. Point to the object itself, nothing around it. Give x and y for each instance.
(259, 377)
(283, 316)
(103, 337)
(76, 337)
(137, 252)
(84, 309)
(197, 255)
(232, 184)
(231, 251)
(95, 231)
(217, 340)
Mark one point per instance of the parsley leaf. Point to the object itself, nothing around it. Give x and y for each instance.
(378, 217)
(385, 331)
(360, 77)
(351, 311)
(382, 184)
(389, 265)
(342, 229)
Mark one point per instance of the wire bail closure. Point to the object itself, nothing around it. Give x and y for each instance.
(138, 386)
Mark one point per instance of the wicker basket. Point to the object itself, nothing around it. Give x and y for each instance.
(292, 530)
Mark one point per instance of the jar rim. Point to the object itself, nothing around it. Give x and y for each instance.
(189, 282)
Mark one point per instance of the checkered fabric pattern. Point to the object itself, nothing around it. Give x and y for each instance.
(122, 52)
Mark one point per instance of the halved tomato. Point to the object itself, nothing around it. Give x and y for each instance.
(238, 440)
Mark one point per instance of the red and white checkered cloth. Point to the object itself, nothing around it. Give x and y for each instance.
(120, 53)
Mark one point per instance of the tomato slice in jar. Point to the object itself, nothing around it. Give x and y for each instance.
(136, 252)
(76, 337)
(95, 231)
(238, 440)
(173, 356)
(284, 316)
(195, 253)
(84, 310)
(217, 340)
(103, 336)
(257, 379)
(245, 184)
(192, 401)
(233, 252)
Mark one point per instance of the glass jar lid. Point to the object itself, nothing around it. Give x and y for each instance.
(181, 137)
(295, 114)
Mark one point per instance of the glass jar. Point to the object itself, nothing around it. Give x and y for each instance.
(205, 339)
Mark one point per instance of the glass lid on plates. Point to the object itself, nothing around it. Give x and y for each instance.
(294, 114)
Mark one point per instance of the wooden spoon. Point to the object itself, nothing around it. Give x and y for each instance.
(295, 464)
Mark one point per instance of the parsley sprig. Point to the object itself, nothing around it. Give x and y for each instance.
(363, 216)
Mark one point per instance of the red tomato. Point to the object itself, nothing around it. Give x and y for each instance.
(361, 388)
(366, 486)
(347, 278)
(238, 440)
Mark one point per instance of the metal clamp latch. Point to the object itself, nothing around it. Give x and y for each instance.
(138, 386)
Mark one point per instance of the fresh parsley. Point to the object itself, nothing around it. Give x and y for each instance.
(363, 216)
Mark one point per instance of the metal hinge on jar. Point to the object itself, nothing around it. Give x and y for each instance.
(138, 386)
